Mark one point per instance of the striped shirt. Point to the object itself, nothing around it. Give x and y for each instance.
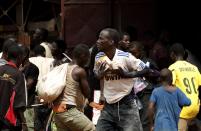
(115, 87)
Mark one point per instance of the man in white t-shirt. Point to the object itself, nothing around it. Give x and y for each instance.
(120, 111)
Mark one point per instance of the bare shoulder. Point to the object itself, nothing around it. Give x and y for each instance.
(79, 71)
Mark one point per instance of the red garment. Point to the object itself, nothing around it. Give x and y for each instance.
(10, 115)
(12, 93)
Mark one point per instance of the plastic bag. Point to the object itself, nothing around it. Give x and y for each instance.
(52, 84)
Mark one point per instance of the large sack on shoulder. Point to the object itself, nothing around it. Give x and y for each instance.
(51, 85)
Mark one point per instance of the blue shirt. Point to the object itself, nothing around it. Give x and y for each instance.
(168, 106)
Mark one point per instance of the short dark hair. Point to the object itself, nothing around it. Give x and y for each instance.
(137, 44)
(113, 34)
(7, 44)
(166, 76)
(122, 34)
(39, 50)
(60, 44)
(14, 52)
(43, 33)
(177, 49)
(25, 50)
(79, 50)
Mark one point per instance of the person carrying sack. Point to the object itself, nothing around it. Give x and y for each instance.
(68, 105)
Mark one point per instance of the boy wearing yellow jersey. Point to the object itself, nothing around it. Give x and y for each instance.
(186, 77)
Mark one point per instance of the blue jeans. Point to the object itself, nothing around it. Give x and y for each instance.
(120, 116)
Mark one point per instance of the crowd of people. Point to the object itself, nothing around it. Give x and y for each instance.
(146, 85)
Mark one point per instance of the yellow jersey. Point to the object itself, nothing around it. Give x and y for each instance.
(187, 78)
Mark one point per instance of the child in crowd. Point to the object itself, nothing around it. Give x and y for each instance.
(168, 101)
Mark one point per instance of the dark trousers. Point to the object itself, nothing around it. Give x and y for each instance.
(144, 98)
(41, 117)
(5, 127)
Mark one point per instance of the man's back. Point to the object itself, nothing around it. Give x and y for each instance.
(72, 93)
(11, 79)
(168, 107)
(187, 77)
